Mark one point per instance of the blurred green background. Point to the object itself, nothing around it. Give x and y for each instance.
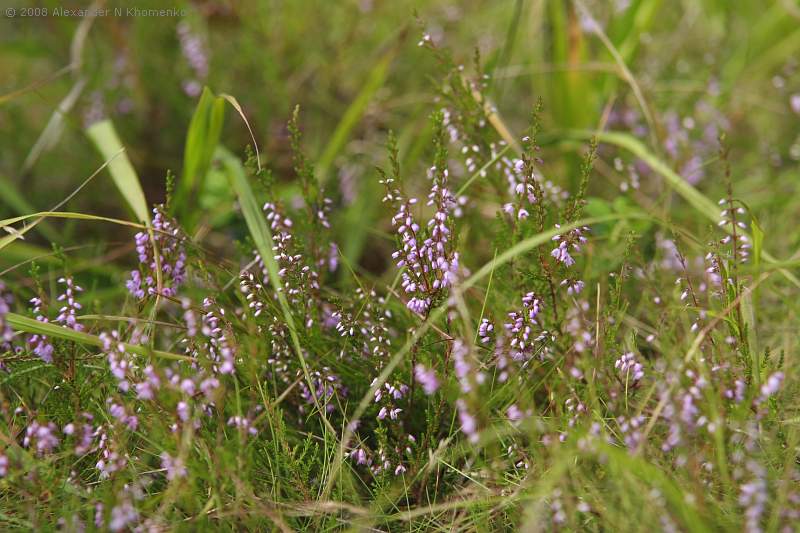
(675, 74)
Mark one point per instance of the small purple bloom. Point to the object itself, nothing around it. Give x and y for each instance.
(173, 465)
(427, 379)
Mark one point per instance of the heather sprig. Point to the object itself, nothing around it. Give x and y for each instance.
(162, 256)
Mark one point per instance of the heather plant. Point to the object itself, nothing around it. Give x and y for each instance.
(479, 334)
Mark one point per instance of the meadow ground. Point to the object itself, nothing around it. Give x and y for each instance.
(400, 266)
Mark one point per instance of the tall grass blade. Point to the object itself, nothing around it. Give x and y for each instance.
(107, 142)
(30, 325)
(202, 139)
(375, 80)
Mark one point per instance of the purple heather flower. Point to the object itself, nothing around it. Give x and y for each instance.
(183, 410)
(122, 516)
(418, 305)
(753, 497)
(118, 411)
(794, 103)
(771, 386)
(730, 217)
(3, 465)
(41, 344)
(189, 317)
(84, 433)
(196, 55)
(630, 429)
(192, 88)
(299, 279)
(208, 386)
(427, 379)
(134, 285)
(485, 330)
(244, 423)
(389, 394)
(464, 370)
(174, 466)
(360, 456)
(574, 286)
(514, 413)
(629, 367)
(66, 315)
(469, 424)
(737, 393)
(520, 327)
(214, 326)
(6, 333)
(98, 514)
(557, 505)
(118, 359)
(573, 239)
(145, 389)
(41, 436)
(561, 253)
(333, 257)
(110, 460)
(172, 258)
(430, 264)
(326, 388)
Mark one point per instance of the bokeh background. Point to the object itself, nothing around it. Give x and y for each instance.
(674, 73)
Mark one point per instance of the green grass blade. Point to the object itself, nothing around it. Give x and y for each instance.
(202, 139)
(238, 107)
(55, 126)
(528, 244)
(19, 234)
(694, 197)
(15, 234)
(107, 142)
(70, 215)
(262, 237)
(10, 196)
(29, 325)
(654, 477)
(633, 145)
(375, 80)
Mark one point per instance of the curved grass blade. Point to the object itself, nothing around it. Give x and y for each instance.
(694, 197)
(29, 325)
(355, 111)
(235, 103)
(18, 234)
(55, 126)
(68, 214)
(10, 195)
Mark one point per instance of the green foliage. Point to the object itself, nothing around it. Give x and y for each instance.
(549, 122)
